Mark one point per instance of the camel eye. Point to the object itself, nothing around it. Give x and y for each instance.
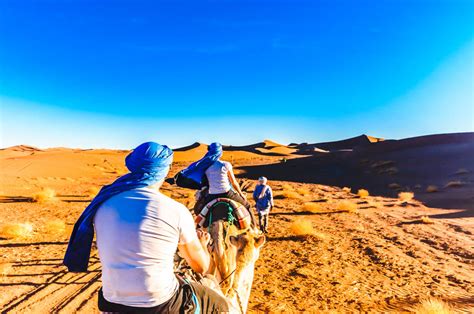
(234, 241)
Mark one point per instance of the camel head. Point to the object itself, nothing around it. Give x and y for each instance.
(247, 246)
(234, 253)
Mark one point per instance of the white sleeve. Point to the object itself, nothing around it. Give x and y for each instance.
(228, 166)
(187, 230)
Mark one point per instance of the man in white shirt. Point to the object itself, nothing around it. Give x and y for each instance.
(138, 232)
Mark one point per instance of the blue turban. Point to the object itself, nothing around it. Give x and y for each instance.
(196, 171)
(148, 164)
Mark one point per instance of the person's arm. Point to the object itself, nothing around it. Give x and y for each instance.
(234, 182)
(255, 198)
(192, 245)
(196, 254)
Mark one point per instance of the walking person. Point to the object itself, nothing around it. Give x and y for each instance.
(263, 197)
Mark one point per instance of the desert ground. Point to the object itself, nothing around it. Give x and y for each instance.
(361, 225)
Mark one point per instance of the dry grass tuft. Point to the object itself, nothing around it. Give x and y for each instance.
(56, 227)
(427, 220)
(287, 187)
(312, 207)
(301, 227)
(92, 191)
(44, 196)
(432, 306)
(432, 189)
(16, 231)
(347, 206)
(454, 184)
(288, 194)
(406, 196)
(363, 193)
(394, 186)
(462, 171)
(5, 269)
(346, 189)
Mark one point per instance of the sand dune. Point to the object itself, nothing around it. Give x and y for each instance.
(346, 144)
(388, 167)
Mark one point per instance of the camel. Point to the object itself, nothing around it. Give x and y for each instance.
(234, 253)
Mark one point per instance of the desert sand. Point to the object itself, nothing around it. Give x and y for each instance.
(328, 248)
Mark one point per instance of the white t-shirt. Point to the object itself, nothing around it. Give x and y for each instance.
(218, 178)
(137, 236)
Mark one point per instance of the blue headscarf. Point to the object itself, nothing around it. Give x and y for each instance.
(148, 164)
(196, 170)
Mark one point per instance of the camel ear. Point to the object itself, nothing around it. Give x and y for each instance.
(234, 240)
(259, 241)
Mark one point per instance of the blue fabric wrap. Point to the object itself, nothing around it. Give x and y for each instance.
(196, 170)
(148, 164)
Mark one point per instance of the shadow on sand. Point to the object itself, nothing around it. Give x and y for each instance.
(16, 199)
(305, 213)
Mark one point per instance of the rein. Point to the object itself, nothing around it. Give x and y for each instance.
(228, 276)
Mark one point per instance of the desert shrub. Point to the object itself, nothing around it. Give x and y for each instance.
(312, 207)
(462, 171)
(363, 193)
(418, 186)
(92, 191)
(55, 226)
(454, 184)
(406, 196)
(44, 196)
(394, 186)
(347, 206)
(5, 269)
(432, 189)
(16, 231)
(427, 220)
(432, 306)
(302, 227)
(288, 194)
(346, 189)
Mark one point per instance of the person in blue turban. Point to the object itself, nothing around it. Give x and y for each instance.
(214, 177)
(138, 231)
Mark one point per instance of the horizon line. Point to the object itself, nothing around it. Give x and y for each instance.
(230, 145)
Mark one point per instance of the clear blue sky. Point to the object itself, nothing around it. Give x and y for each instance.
(115, 73)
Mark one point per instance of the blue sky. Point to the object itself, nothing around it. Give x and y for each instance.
(115, 73)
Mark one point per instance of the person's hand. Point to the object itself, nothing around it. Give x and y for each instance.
(204, 237)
